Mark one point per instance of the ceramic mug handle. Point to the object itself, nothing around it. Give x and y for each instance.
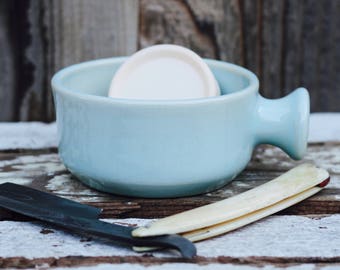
(284, 122)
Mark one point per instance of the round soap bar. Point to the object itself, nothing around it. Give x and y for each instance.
(164, 72)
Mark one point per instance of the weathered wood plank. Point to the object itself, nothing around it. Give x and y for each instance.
(7, 66)
(327, 90)
(271, 46)
(45, 172)
(147, 263)
(85, 30)
(310, 40)
(40, 37)
(285, 237)
(32, 99)
(173, 22)
(228, 32)
(291, 47)
(287, 43)
(251, 23)
(211, 28)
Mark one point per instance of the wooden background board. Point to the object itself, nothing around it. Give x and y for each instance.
(287, 43)
(40, 37)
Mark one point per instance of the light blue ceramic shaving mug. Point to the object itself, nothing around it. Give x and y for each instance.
(169, 148)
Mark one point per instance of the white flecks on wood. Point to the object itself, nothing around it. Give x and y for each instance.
(64, 184)
(276, 236)
(324, 156)
(32, 165)
(27, 135)
(322, 159)
(24, 169)
(15, 177)
(44, 167)
(29, 159)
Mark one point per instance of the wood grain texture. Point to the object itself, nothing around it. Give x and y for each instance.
(251, 23)
(310, 44)
(41, 37)
(292, 45)
(330, 10)
(286, 43)
(7, 66)
(45, 172)
(271, 48)
(211, 28)
(173, 22)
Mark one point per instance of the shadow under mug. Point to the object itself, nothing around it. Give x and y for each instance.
(170, 148)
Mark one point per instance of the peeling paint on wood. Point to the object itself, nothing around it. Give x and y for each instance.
(276, 236)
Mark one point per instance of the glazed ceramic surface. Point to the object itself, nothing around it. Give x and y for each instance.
(169, 148)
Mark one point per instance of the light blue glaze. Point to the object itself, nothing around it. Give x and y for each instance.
(169, 148)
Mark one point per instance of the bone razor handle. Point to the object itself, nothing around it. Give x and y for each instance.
(288, 189)
(224, 227)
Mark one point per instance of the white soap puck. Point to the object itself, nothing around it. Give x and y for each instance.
(164, 72)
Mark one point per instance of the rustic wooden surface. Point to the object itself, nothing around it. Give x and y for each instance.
(287, 43)
(304, 236)
(278, 241)
(45, 172)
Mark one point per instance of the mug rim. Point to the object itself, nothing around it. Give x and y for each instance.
(57, 85)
